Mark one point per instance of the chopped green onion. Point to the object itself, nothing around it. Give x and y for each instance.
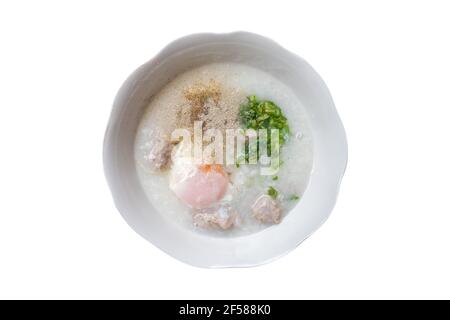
(272, 192)
(264, 114)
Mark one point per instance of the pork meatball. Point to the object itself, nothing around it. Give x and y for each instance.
(266, 210)
(219, 217)
(158, 154)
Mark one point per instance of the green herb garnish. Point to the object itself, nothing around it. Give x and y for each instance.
(275, 178)
(294, 197)
(264, 114)
(272, 192)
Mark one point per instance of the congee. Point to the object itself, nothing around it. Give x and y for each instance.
(224, 149)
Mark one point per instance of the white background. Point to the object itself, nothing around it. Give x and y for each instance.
(387, 64)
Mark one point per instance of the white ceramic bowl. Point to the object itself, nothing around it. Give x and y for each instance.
(330, 150)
